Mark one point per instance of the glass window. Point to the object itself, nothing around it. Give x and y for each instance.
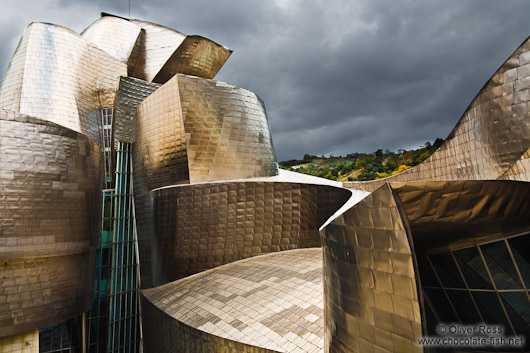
(427, 276)
(441, 305)
(447, 270)
(501, 265)
(464, 306)
(473, 268)
(520, 247)
(518, 307)
(491, 309)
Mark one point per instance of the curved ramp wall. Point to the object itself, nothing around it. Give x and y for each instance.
(489, 138)
(50, 216)
(201, 226)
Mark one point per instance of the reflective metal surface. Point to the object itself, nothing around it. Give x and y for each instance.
(131, 92)
(117, 37)
(23, 343)
(56, 75)
(453, 214)
(370, 294)
(157, 45)
(50, 214)
(202, 226)
(272, 301)
(489, 138)
(227, 131)
(197, 56)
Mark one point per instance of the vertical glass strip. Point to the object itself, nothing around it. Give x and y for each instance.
(123, 330)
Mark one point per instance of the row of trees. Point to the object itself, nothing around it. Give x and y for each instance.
(362, 166)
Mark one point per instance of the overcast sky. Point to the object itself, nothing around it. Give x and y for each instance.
(337, 76)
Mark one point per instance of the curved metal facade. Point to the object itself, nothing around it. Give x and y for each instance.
(201, 226)
(196, 56)
(56, 75)
(117, 37)
(489, 138)
(376, 276)
(50, 217)
(370, 294)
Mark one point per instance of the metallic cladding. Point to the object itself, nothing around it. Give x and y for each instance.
(196, 56)
(56, 75)
(161, 332)
(157, 45)
(117, 37)
(201, 226)
(462, 213)
(489, 138)
(131, 92)
(227, 131)
(50, 214)
(370, 295)
(273, 301)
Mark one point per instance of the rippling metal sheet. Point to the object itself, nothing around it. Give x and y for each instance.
(272, 301)
(489, 138)
(117, 37)
(57, 76)
(50, 216)
(197, 56)
(370, 294)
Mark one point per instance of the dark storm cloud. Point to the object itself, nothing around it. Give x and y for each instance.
(342, 76)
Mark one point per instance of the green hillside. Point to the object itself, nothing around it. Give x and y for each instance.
(362, 166)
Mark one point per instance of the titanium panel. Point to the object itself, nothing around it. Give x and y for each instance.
(24, 343)
(56, 75)
(462, 213)
(201, 226)
(161, 151)
(227, 131)
(272, 301)
(162, 331)
(131, 92)
(370, 295)
(117, 37)
(157, 45)
(50, 214)
(196, 56)
(489, 138)
(520, 170)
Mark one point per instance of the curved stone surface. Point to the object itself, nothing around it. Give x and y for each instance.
(489, 138)
(272, 301)
(117, 37)
(56, 75)
(50, 216)
(201, 226)
(196, 56)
